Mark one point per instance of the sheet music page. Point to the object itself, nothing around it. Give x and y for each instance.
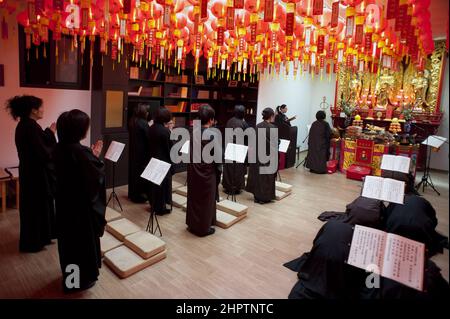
(367, 248)
(395, 163)
(372, 187)
(434, 141)
(236, 152)
(114, 151)
(393, 191)
(284, 144)
(156, 171)
(185, 148)
(404, 261)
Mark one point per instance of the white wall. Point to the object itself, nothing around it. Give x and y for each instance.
(302, 95)
(56, 101)
(440, 160)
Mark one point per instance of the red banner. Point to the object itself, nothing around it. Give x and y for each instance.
(406, 27)
(39, 6)
(290, 23)
(268, 11)
(253, 27)
(114, 50)
(350, 26)
(161, 2)
(220, 36)
(230, 18)
(359, 33)
(204, 9)
(392, 8)
(320, 44)
(239, 4)
(335, 14)
(401, 16)
(84, 18)
(330, 51)
(367, 42)
(32, 17)
(58, 5)
(126, 6)
(289, 48)
(318, 7)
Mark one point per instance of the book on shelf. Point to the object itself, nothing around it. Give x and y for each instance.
(184, 92)
(136, 93)
(134, 72)
(389, 255)
(156, 91)
(178, 108)
(184, 79)
(232, 84)
(195, 106)
(147, 91)
(202, 94)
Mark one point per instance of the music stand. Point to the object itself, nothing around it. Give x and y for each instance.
(113, 153)
(155, 172)
(304, 160)
(426, 177)
(237, 154)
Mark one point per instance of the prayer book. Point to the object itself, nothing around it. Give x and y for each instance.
(156, 171)
(284, 144)
(387, 189)
(236, 152)
(136, 93)
(114, 151)
(396, 163)
(389, 255)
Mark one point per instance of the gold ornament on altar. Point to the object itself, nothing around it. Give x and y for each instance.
(395, 126)
(355, 88)
(383, 88)
(357, 121)
(420, 86)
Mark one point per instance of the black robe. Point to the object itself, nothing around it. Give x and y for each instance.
(323, 272)
(202, 183)
(80, 209)
(362, 211)
(281, 118)
(160, 145)
(139, 153)
(262, 186)
(37, 185)
(234, 173)
(318, 147)
(416, 219)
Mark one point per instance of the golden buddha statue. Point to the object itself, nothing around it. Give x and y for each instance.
(384, 86)
(355, 88)
(420, 85)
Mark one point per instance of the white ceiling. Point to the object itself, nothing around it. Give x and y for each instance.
(439, 18)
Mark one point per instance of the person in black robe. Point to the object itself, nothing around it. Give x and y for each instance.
(323, 272)
(362, 211)
(80, 200)
(234, 173)
(281, 117)
(415, 219)
(159, 146)
(139, 154)
(318, 145)
(202, 181)
(36, 173)
(262, 186)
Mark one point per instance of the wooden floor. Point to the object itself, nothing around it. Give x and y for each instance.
(244, 261)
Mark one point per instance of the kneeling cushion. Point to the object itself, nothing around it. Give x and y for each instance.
(121, 228)
(125, 262)
(232, 208)
(283, 187)
(178, 200)
(182, 191)
(225, 220)
(108, 242)
(279, 195)
(145, 244)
